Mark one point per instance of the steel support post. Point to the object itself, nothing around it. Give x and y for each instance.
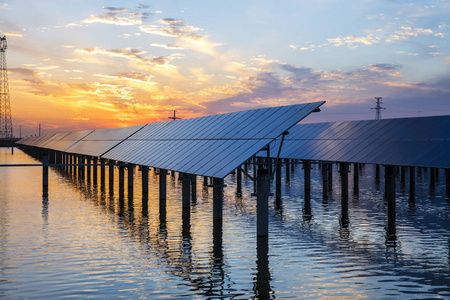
(278, 182)
(186, 189)
(447, 183)
(239, 182)
(356, 179)
(111, 177)
(262, 202)
(45, 175)
(325, 181)
(144, 177)
(130, 182)
(102, 173)
(288, 171)
(218, 198)
(193, 187)
(88, 169)
(330, 177)
(95, 170)
(344, 193)
(390, 178)
(162, 195)
(412, 184)
(121, 181)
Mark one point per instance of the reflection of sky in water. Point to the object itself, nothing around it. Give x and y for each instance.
(83, 243)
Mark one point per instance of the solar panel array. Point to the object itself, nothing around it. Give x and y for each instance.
(421, 141)
(209, 146)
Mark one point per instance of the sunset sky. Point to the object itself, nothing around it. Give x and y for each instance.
(98, 64)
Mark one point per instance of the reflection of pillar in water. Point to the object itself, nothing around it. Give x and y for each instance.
(217, 241)
(262, 285)
(186, 219)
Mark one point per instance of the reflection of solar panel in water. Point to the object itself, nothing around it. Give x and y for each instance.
(101, 140)
(422, 141)
(210, 146)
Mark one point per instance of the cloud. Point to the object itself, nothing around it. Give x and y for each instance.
(116, 16)
(353, 40)
(23, 71)
(167, 46)
(135, 55)
(188, 35)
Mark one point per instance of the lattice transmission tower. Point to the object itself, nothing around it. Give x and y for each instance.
(6, 130)
(378, 108)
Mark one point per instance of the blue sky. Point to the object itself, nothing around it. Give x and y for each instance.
(96, 64)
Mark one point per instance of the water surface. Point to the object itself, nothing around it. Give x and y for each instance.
(81, 243)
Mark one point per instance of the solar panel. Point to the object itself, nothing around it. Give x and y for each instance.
(209, 146)
(101, 140)
(421, 141)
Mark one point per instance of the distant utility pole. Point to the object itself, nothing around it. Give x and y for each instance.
(6, 130)
(39, 129)
(378, 108)
(174, 116)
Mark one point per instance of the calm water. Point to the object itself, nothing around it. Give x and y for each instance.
(81, 243)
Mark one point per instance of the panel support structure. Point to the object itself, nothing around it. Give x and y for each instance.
(262, 202)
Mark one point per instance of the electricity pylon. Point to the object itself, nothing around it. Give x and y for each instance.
(6, 130)
(378, 108)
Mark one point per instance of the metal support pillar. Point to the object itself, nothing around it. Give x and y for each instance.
(102, 174)
(218, 185)
(330, 177)
(130, 183)
(344, 194)
(390, 195)
(356, 179)
(307, 175)
(186, 189)
(447, 183)
(412, 184)
(144, 177)
(95, 170)
(239, 182)
(193, 188)
(377, 173)
(45, 175)
(288, 171)
(88, 168)
(162, 195)
(278, 182)
(325, 181)
(121, 181)
(205, 181)
(262, 202)
(293, 165)
(111, 177)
